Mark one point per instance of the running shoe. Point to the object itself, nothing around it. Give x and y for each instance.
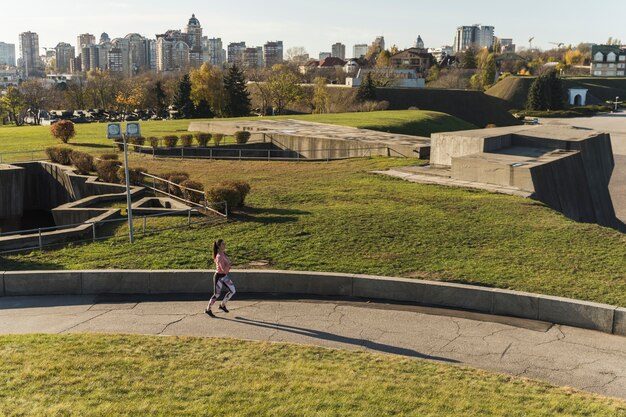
(224, 309)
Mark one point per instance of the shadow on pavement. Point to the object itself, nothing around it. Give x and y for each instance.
(380, 347)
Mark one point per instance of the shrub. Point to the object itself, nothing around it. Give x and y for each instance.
(217, 138)
(154, 141)
(186, 140)
(82, 161)
(63, 130)
(176, 178)
(59, 154)
(224, 192)
(242, 187)
(242, 136)
(109, 157)
(107, 171)
(135, 175)
(170, 141)
(139, 141)
(203, 139)
(190, 195)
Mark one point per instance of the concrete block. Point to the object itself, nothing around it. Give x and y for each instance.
(116, 282)
(181, 282)
(515, 304)
(619, 322)
(395, 289)
(576, 313)
(287, 282)
(42, 283)
(457, 296)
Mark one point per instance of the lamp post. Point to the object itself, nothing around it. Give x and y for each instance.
(616, 103)
(129, 210)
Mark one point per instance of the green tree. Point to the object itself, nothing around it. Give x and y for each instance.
(468, 60)
(182, 98)
(284, 87)
(13, 104)
(486, 74)
(237, 97)
(546, 93)
(160, 99)
(367, 89)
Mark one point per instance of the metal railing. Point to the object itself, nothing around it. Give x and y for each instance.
(9, 157)
(97, 230)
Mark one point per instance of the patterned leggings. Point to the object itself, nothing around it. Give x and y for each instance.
(220, 281)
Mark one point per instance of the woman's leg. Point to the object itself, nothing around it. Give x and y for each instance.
(231, 290)
(216, 293)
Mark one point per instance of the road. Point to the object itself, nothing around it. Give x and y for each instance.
(560, 355)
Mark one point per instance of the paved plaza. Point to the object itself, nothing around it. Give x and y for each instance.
(560, 355)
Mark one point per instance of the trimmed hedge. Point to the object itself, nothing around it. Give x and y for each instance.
(109, 157)
(170, 141)
(82, 161)
(218, 138)
(59, 154)
(107, 171)
(135, 175)
(186, 140)
(232, 192)
(203, 139)
(192, 196)
(242, 137)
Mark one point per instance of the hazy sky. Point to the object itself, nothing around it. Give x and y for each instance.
(317, 24)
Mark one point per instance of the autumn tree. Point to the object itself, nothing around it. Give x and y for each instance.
(129, 96)
(37, 96)
(486, 74)
(207, 84)
(284, 85)
(63, 130)
(321, 98)
(13, 104)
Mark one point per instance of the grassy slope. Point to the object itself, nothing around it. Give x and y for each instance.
(87, 375)
(92, 137)
(338, 217)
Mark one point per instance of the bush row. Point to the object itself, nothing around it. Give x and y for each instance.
(187, 140)
(67, 156)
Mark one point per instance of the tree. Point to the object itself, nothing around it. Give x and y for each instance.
(383, 60)
(546, 93)
(367, 89)
(468, 60)
(129, 96)
(574, 57)
(614, 41)
(284, 86)
(102, 86)
(237, 97)
(76, 94)
(36, 96)
(160, 103)
(297, 54)
(13, 104)
(207, 84)
(486, 74)
(182, 98)
(63, 130)
(321, 98)
(258, 76)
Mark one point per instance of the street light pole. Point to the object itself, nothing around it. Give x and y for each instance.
(129, 210)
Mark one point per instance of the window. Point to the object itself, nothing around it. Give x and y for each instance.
(611, 57)
(611, 65)
(622, 58)
(598, 73)
(599, 65)
(599, 57)
(621, 65)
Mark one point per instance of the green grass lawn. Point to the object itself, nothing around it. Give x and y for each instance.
(92, 137)
(339, 217)
(94, 375)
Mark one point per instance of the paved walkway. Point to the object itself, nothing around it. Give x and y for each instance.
(560, 355)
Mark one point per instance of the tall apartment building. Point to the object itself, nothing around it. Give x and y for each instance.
(339, 50)
(379, 43)
(7, 54)
(475, 36)
(235, 53)
(359, 50)
(29, 52)
(273, 53)
(64, 55)
(180, 50)
(214, 51)
(84, 40)
(253, 57)
(419, 43)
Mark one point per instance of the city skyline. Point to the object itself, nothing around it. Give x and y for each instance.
(314, 26)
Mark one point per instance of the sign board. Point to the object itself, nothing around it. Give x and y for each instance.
(133, 130)
(114, 131)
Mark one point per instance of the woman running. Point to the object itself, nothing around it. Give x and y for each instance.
(220, 279)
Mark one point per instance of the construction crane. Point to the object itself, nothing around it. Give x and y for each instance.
(559, 45)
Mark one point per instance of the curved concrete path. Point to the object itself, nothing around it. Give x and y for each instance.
(560, 355)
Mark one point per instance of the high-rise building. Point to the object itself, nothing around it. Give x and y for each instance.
(65, 53)
(273, 53)
(235, 53)
(359, 50)
(179, 50)
(214, 51)
(339, 50)
(253, 57)
(379, 43)
(84, 40)
(475, 36)
(324, 55)
(7, 54)
(29, 51)
(194, 33)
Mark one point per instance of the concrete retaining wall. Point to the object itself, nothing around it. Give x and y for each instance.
(601, 317)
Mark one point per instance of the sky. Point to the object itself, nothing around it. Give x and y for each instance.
(317, 24)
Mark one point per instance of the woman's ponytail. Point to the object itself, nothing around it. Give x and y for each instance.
(216, 247)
